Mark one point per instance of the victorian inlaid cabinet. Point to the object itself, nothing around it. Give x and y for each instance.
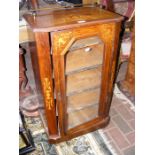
(74, 67)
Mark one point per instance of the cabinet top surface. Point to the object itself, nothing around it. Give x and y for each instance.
(47, 20)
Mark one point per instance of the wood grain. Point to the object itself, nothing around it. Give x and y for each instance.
(49, 20)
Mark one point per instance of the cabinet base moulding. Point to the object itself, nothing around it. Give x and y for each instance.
(54, 139)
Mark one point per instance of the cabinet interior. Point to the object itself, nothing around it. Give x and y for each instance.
(83, 71)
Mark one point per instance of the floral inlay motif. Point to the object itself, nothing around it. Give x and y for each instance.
(48, 92)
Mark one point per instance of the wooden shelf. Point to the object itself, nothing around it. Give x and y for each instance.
(83, 100)
(82, 116)
(84, 58)
(83, 81)
(82, 43)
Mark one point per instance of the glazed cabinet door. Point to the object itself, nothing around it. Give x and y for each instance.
(82, 59)
(83, 71)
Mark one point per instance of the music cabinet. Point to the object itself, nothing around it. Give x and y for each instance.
(74, 67)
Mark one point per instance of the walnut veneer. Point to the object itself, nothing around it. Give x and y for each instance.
(74, 65)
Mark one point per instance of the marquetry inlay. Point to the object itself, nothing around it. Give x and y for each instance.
(48, 91)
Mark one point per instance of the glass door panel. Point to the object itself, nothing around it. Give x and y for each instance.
(83, 70)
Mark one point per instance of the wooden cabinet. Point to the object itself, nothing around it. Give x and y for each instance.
(74, 65)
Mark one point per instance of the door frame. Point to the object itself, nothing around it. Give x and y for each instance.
(61, 41)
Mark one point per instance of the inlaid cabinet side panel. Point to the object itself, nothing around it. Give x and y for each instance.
(45, 70)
